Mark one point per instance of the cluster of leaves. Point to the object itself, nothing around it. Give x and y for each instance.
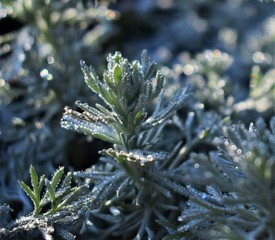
(32, 95)
(125, 122)
(139, 185)
(236, 198)
(56, 212)
(34, 73)
(138, 190)
(178, 165)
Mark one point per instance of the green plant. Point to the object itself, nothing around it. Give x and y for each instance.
(34, 73)
(236, 199)
(157, 160)
(128, 91)
(56, 213)
(138, 190)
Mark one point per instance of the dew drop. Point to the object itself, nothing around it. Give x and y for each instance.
(239, 151)
(226, 229)
(233, 148)
(2, 82)
(149, 158)
(18, 121)
(49, 77)
(188, 69)
(44, 72)
(115, 211)
(196, 165)
(50, 60)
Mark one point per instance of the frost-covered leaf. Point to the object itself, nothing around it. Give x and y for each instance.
(162, 115)
(243, 167)
(136, 155)
(98, 130)
(90, 77)
(57, 177)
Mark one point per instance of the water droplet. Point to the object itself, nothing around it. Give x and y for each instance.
(18, 121)
(260, 57)
(236, 159)
(196, 165)
(251, 128)
(115, 211)
(150, 158)
(239, 151)
(2, 83)
(50, 60)
(38, 124)
(49, 77)
(111, 15)
(233, 148)
(221, 83)
(188, 69)
(44, 72)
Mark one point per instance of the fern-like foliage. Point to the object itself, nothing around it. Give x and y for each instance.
(160, 175)
(133, 181)
(33, 77)
(126, 90)
(238, 200)
(57, 212)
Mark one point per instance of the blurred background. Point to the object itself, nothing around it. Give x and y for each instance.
(224, 49)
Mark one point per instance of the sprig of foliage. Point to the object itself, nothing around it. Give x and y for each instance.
(163, 159)
(36, 192)
(58, 194)
(128, 91)
(33, 77)
(230, 207)
(56, 204)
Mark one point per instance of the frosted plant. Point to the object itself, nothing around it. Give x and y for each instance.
(238, 181)
(133, 180)
(58, 210)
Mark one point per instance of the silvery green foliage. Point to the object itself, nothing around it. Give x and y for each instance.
(235, 196)
(130, 200)
(57, 212)
(41, 75)
(133, 183)
(34, 73)
(126, 90)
